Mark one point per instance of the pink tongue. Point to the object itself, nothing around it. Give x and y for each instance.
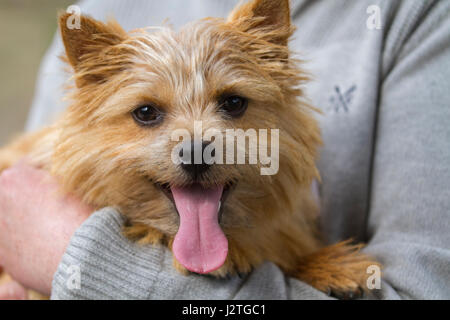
(200, 245)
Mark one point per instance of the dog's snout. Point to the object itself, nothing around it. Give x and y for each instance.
(194, 160)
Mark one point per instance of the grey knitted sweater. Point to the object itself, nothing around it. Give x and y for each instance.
(385, 164)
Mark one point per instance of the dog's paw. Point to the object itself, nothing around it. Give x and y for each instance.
(349, 294)
(4, 277)
(344, 289)
(337, 284)
(143, 234)
(339, 270)
(4, 166)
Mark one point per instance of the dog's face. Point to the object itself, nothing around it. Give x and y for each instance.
(135, 93)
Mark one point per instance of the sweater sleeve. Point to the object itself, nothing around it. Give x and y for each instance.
(409, 218)
(100, 263)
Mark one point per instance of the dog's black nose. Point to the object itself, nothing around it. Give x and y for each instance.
(195, 166)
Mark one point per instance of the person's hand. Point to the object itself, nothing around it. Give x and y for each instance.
(36, 224)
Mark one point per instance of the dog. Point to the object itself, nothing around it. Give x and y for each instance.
(113, 145)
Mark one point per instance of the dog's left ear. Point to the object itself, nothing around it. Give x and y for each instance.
(87, 44)
(269, 18)
(89, 38)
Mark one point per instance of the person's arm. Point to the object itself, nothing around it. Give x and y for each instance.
(409, 220)
(112, 267)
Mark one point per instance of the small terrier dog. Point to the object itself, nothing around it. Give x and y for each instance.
(112, 146)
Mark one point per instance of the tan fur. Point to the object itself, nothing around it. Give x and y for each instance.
(336, 269)
(99, 152)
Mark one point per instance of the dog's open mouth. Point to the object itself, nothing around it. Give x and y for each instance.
(200, 244)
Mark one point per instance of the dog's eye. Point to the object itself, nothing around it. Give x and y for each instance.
(148, 115)
(233, 106)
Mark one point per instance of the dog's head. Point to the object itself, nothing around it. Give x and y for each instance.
(153, 118)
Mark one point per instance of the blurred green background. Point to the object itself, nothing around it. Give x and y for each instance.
(26, 30)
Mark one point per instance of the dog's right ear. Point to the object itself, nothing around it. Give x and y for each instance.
(269, 18)
(88, 38)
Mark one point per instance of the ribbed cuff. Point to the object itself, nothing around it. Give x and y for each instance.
(100, 263)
